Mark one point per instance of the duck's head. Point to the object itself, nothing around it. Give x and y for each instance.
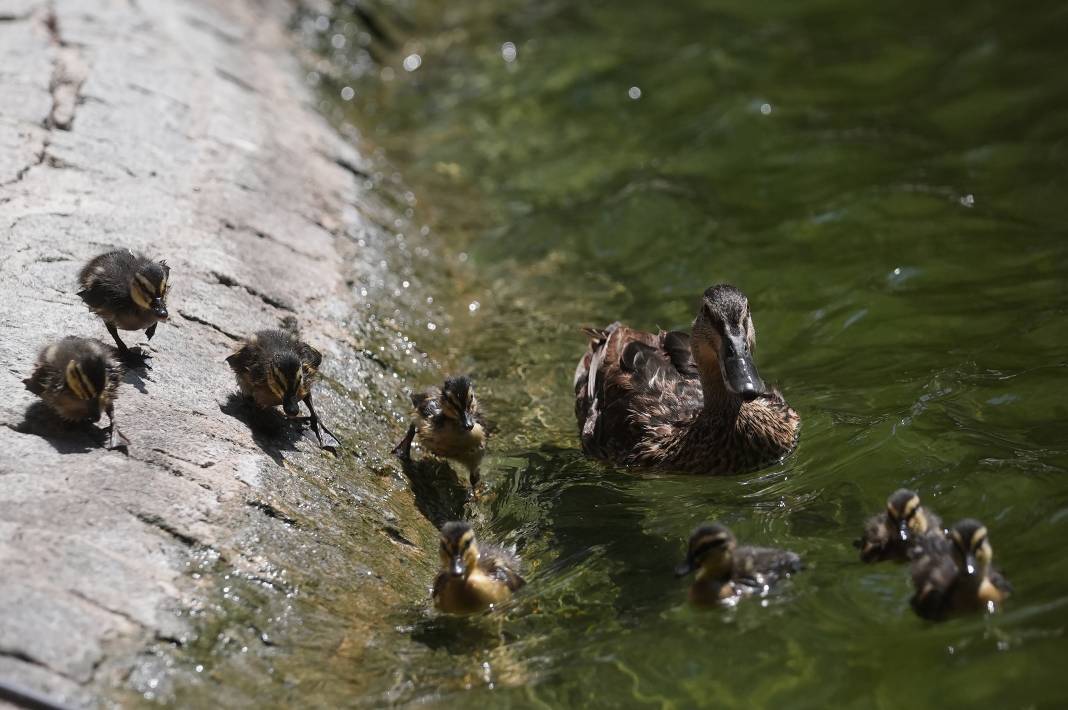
(723, 341)
(710, 552)
(285, 377)
(458, 401)
(148, 288)
(86, 378)
(906, 515)
(459, 551)
(971, 548)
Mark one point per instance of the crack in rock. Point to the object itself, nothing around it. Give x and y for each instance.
(158, 522)
(269, 300)
(271, 512)
(94, 603)
(201, 321)
(68, 74)
(268, 237)
(235, 80)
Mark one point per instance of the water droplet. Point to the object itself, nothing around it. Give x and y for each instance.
(968, 200)
(322, 23)
(634, 93)
(431, 326)
(312, 78)
(509, 52)
(412, 62)
(405, 283)
(338, 41)
(347, 93)
(473, 306)
(765, 108)
(199, 669)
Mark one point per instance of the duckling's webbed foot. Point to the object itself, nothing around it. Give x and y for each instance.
(316, 425)
(131, 357)
(112, 430)
(403, 449)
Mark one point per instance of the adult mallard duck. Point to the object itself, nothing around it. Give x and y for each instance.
(692, 403)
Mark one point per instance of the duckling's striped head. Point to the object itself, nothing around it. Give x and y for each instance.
(459, 551)
(723, 341)
(86, 378)
(458, 401)
(710, 548)
(971, 547)
(904, 511)
(149, 286)
(285, 377)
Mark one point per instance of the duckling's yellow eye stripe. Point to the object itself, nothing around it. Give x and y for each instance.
(141, 295)
(162, 290)
(277, 382)
(978, 537)
(78, 383)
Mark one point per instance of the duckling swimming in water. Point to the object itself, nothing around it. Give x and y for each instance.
(894, 533)
(78, 378)
(450, 426)
(955, 574)
(726, 572)
(275, 367)
(130, 293)
(692, 403)
(473, 577)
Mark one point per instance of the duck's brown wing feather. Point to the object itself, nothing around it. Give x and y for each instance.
(627, 381)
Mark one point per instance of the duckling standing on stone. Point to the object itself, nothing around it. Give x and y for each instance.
(130, 293)
(78, 379)
(275, 367)
(449, 425)
(955, 574)
(894, 533)
(683, 402)
(726, 572)
(473, 577)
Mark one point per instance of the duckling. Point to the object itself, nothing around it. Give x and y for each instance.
(275, 367)
(691, 403)
(78, 378)
(726, 572)
(894, 533)
(473, 577)
(955, 574)
(130, 293)
(450, 426)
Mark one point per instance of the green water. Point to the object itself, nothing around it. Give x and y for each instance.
(885, 182)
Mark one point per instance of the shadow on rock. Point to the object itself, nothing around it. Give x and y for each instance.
(136, 378)
(439, 495)
(272, 432)
(65, 437)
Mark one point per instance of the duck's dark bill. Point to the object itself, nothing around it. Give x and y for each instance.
(742, 378)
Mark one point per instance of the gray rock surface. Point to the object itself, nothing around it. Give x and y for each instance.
(182, 129)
